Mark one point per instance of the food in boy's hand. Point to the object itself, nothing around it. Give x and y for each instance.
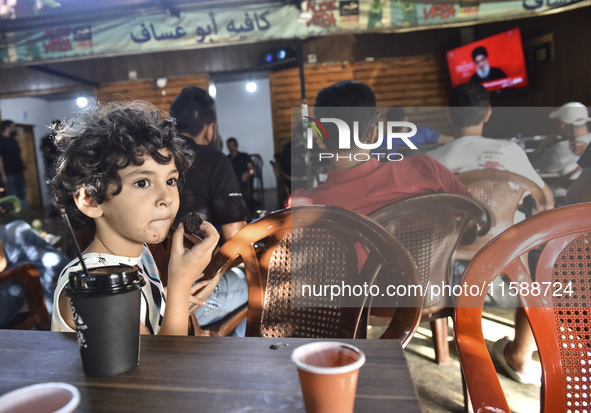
(192, 221)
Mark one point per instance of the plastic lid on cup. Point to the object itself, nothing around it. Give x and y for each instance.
(112, 279)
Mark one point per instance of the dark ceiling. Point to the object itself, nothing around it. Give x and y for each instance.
(88, 73)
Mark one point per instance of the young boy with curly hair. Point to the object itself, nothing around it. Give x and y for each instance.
(118, 173)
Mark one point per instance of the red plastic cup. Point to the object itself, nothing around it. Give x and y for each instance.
(328, 374)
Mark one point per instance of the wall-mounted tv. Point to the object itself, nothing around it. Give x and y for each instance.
(497, 62)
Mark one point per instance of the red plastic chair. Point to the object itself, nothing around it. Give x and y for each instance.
(560, 321)
(317, 245)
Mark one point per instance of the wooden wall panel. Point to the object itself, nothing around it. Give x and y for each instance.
(286, 93)
(420, 83)
(147, 90)
(26, 142)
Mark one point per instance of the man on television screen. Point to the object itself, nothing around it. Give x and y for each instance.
(484, 73)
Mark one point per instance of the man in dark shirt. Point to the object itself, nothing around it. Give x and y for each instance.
(244, 170)
(484, 73)
(12, 167)
(580, 189)
(212, 190)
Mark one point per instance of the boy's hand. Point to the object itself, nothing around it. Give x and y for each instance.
(186, 265)
(194, 300)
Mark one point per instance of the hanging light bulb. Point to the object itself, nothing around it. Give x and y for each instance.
(251, 86)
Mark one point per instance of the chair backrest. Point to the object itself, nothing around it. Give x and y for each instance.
(557, 306)
(258, 188)
(283, 190)
(503, 192)
(431, 227)
(257, 161)
(296, 257)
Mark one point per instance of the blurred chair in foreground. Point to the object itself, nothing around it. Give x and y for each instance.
(557, 306)
(30, 267)
(25, 278)
(292, 254)
(431, 227)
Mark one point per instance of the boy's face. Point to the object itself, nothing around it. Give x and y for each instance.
(144, 209)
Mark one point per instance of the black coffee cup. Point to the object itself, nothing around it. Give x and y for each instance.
(106, 309)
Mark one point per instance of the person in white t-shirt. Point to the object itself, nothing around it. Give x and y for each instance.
(560, 153)
(469, 110)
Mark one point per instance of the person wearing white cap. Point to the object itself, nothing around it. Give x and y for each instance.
(559, 154)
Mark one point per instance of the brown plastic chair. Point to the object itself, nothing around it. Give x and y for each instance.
(28, 276)
(503, 192)
(317, 245)
(559, 318)
(431, 227)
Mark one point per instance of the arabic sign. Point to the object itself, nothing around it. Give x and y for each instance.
(220, 26)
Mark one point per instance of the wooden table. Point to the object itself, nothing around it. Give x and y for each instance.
(200, 374)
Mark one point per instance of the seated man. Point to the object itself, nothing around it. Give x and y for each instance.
(244, 170)
(469, 109)
(21, 244)
(358, 181)
(212, 190)
(555, 153)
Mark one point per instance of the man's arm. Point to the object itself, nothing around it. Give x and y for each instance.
(3, 173)
(228, 230)
(249, 172)
(227, 205)
(445, 139)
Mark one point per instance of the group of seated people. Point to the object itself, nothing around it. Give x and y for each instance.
(160, 170)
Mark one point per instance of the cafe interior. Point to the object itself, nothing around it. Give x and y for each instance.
(264, 62)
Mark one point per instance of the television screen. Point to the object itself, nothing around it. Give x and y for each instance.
(497, 62)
